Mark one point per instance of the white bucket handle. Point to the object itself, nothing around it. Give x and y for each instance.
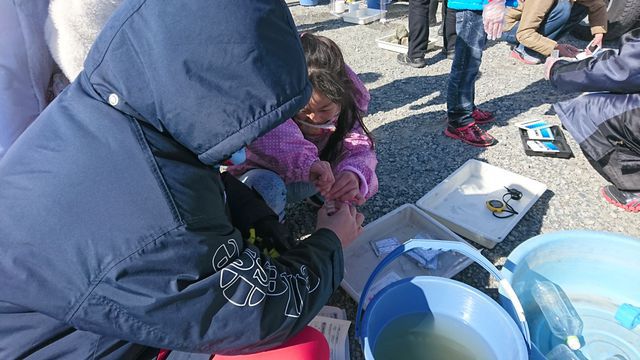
(446, 245)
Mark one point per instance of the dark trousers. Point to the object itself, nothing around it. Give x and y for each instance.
(418, 28)
(449, 27)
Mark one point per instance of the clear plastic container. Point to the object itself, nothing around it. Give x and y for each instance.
(561, 352)
(338, 7)
(562, 317)
(359, 11)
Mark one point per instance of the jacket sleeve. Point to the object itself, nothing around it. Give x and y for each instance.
(357, 153)
(533, 14)
(199, 289)
(285, 151)
(358, 156)
(597, 10)
(610, 71)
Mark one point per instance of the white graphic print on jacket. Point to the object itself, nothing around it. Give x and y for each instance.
(246, 282)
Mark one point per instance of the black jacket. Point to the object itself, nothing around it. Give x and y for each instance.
(606, 120)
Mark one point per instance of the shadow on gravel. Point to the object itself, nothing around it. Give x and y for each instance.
(527, 228)
(536, 94)
(329, 24)
(369, 77)
(408, 90)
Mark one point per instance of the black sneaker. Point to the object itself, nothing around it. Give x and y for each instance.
(413, 62)
(630, 201)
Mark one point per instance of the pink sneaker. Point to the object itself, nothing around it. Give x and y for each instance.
(471, 134)
(482, 117)
(524, 58)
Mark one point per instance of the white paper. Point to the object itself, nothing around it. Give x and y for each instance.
(333, 312)
(335, 330)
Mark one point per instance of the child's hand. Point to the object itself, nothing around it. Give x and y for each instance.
(321, 176)
(346, 188)
(345, 222)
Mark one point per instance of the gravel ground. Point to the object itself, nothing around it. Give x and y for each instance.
(406, 117)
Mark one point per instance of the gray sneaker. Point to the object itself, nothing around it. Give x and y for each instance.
(523, 55)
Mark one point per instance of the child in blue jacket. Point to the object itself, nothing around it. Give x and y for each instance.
(475, 19)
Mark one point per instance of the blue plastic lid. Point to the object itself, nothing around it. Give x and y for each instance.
(628, 316)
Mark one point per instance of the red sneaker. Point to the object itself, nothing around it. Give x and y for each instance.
(471, 134)
(482, 117)
(630, 201)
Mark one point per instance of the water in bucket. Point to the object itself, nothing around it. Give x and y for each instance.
(419, 336)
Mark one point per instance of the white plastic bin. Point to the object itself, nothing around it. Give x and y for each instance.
(459, 201)
(403, 223)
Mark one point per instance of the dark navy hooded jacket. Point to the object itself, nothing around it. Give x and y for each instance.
(113, 227)
(606, 120)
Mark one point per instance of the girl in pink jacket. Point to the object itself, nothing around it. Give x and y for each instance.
(325, 148)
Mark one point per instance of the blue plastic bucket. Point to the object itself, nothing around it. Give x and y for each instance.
(597, 271)
(308, 2)
(444, 298)
(373, 4)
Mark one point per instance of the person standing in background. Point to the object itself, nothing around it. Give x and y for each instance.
(475, 20)
(418, 34)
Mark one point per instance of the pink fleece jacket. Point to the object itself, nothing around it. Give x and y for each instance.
(286, 151)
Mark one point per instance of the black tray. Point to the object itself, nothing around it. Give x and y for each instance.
(560, 141)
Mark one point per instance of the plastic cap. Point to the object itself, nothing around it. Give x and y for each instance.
(628, 316)
(573, 342)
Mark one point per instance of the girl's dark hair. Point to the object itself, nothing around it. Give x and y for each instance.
(328, 75)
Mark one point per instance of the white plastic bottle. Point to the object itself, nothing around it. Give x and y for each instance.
(561, 352)
(562, 317)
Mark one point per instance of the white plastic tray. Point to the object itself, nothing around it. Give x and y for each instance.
(403, 223)
(370, 15)
(385, 43)
(459, 201)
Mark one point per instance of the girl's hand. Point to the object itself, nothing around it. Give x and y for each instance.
(321, 176)
(346, 188)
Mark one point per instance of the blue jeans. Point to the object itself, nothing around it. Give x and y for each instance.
(560, 19)
(274, 191)
(466, 65)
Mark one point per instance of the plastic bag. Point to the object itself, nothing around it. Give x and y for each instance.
(493, 18)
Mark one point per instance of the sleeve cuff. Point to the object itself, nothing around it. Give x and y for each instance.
(364, 187)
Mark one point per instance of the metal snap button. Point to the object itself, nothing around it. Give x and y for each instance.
(113, 99)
